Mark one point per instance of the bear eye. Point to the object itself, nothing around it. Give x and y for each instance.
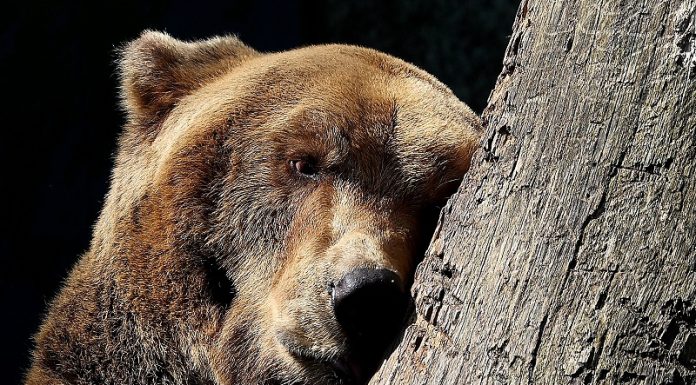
(304, 167)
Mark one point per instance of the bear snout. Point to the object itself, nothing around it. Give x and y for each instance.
(369, 304)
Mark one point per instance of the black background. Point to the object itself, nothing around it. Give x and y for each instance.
(60, 117)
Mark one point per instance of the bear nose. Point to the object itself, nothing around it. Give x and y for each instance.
(370, 305)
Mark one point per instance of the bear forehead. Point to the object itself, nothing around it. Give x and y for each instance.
(339, 95)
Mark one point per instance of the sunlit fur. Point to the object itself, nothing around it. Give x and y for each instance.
(202, 183)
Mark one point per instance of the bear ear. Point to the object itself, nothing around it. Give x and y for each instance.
(157, 70)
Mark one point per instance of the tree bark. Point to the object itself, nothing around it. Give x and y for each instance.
(568, 256)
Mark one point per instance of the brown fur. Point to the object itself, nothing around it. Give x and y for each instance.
(210, 260)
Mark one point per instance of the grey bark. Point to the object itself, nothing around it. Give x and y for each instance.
(569, 254)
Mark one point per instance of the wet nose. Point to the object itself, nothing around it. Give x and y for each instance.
(369, 304)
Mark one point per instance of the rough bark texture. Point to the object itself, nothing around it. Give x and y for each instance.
(569, 254)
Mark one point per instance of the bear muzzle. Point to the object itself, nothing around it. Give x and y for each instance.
(369, 307)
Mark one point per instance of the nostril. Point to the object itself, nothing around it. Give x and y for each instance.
(369, 304)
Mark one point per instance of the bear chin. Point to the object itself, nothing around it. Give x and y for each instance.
(314, 367)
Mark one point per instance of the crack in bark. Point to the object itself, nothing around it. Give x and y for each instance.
(649, 168)
(537, 346)
(597, 212)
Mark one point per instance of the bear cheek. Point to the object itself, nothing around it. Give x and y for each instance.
(300, 300)
(299, 293)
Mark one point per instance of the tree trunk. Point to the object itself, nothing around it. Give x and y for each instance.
(569, 254)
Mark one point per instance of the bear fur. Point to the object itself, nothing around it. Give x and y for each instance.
(245, 184)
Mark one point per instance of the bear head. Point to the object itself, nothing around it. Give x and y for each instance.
(267, 210)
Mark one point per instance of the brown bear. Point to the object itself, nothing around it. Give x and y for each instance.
(265, 216)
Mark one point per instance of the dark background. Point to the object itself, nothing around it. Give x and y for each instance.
(60, 117)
